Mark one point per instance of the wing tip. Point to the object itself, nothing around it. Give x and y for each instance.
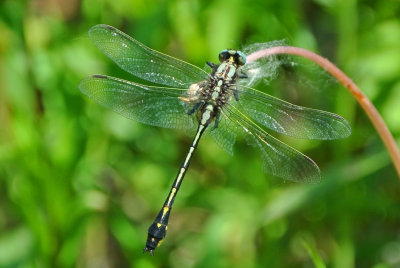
(309, 174)
(101, 27)
(314, 173)
(346, 128)
(81, 85)
(83, 82)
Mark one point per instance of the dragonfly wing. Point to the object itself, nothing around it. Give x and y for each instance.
(290, 119)
(278, 158)
(157, 106)
(225, 134)
(144, 62)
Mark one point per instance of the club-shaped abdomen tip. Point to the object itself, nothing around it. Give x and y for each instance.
(155, 236)
(151, 244)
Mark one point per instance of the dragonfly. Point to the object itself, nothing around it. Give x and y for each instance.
(218, 102)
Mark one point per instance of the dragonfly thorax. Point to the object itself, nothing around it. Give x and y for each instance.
(208, 97)
(219, 87)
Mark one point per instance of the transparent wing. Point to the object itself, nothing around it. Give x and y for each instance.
(289, 119)
(278, 158)
(225, 134)
(142, 61)
(157, 106)
(264, 69)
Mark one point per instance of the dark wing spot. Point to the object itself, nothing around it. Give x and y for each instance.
(99, 76)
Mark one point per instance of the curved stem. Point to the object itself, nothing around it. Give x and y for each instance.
(365, 103)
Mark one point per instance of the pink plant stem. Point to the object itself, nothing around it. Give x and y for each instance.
(365, 103)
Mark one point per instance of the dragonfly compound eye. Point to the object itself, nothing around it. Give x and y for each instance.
(240, 58)
(224, 55)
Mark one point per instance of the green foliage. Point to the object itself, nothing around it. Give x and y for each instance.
(79, 185)
(312, 251)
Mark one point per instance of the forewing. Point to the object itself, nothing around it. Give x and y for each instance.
(144, 62)
(278, 158)
(290, 119)
(157, 106)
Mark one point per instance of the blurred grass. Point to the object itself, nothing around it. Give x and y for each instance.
(79, 185)
(317, 260)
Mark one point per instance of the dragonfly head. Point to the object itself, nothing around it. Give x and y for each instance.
(234, 56)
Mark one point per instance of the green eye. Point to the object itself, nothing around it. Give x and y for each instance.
(241, 58)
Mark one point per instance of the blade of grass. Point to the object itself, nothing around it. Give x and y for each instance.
(313, 253)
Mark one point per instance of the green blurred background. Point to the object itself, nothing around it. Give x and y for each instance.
(79, 184)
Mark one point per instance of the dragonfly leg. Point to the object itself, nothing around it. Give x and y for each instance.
(212, 65)
(236, 93)
(242, 74)
(217, 118)
(195, 107)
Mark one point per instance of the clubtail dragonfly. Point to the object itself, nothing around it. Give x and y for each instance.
(217, 103)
